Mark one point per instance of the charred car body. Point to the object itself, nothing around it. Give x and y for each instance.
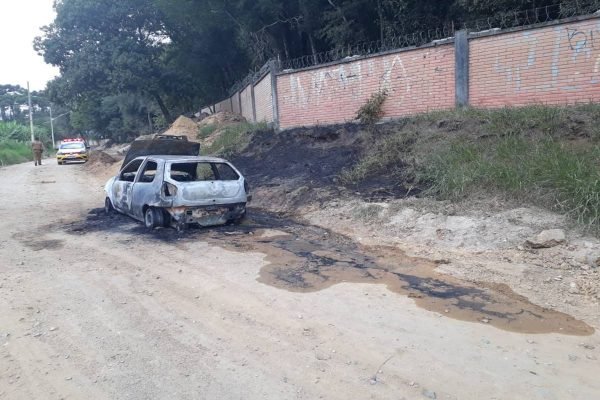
(177, 190)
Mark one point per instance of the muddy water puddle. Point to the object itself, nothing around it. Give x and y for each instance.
(309, 259)
(306, 258)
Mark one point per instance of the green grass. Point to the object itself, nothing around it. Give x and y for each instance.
(14, 153)
(546, 171)
(206, 131)
(233, 139)
(548, 156)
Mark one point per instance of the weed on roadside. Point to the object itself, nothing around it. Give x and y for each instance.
(370, 213)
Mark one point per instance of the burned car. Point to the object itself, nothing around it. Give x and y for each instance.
(177, 190)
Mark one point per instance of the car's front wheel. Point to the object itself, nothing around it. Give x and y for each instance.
(153, 218)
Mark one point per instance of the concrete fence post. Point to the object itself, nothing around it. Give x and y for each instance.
(273, 70)
(461, 79)
(253, 98)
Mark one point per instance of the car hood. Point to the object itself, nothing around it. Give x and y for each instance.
(163, 147)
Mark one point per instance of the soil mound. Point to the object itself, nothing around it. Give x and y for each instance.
(100, 157)
(222, 118)
(103, 164)
(184, 126)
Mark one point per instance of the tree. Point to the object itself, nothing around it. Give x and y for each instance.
(109, 47)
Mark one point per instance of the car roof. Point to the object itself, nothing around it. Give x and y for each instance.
(168, 158)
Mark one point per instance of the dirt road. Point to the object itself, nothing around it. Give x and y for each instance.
(95, 307)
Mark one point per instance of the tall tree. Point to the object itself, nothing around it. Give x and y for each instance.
(107, 47)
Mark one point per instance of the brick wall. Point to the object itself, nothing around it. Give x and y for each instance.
(552, 65)
(416, 81)
(264, 100)
(246, 95)
(558, 63)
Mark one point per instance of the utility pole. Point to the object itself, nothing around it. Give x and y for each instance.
(52, 127)
(30, 112)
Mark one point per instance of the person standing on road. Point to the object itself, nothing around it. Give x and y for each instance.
(38, 149)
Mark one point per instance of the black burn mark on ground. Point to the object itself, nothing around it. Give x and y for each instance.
(314, 158)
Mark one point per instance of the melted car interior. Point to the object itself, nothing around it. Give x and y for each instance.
(202, 171)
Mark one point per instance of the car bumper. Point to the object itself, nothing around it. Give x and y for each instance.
(208, 215)
(71, 157)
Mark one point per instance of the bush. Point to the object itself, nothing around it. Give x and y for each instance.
(14, 153)
(372, 110)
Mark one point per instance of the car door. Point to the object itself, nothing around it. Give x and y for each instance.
(147, 187)
(123, 186)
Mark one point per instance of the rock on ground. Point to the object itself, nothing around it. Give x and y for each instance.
(547, 239)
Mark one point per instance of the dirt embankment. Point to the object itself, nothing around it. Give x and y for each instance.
(481, 239)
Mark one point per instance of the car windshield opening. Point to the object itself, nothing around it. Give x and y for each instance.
(203, 171)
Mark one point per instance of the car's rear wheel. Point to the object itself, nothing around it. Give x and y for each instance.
(108, 206)
(153, 218)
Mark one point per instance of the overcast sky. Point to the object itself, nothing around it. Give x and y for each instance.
(20, 22)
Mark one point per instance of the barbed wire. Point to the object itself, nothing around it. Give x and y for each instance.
(540, 15)
(367, 48)
(502, 20)
(252, 77)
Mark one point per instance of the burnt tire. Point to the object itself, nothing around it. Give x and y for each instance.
(108, 206)
(153, 218)
(239, 220)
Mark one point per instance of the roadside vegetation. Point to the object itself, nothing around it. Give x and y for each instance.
(229, 140)
(547, 156)
(15, 142)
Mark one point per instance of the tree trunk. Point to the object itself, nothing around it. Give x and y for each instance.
(163, 108)
(313, 49)
(380, 12)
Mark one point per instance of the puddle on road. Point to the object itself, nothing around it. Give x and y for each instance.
(310, 259)
(306, 258)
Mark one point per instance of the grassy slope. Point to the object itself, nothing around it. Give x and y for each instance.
(548, 156)
(232, 139)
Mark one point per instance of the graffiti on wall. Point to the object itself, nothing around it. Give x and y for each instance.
(571, 56)
(351, 79)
